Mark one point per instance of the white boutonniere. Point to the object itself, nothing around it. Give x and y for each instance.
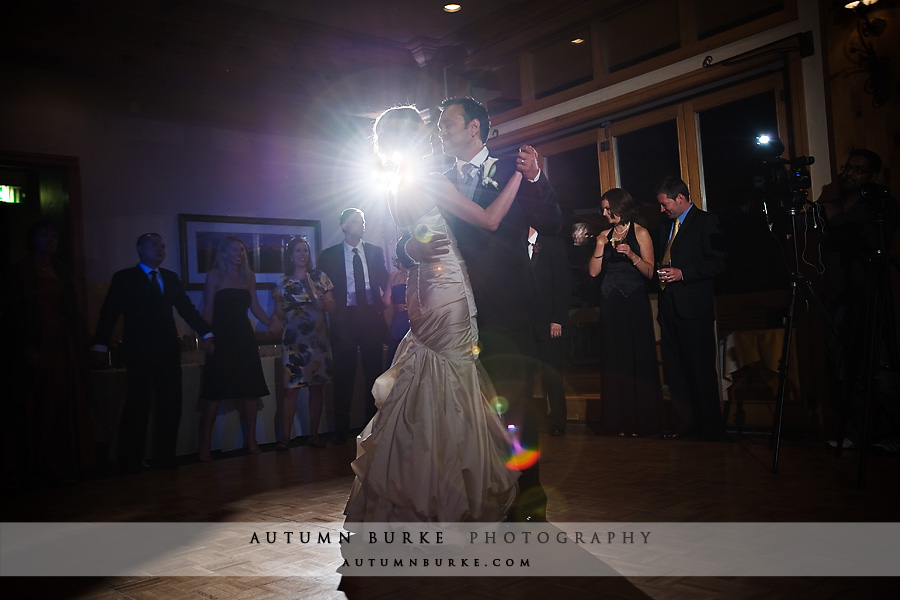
(488, 170)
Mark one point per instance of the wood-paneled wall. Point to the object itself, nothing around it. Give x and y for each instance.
(854, 119)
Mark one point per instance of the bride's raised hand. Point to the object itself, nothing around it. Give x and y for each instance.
(528, 162)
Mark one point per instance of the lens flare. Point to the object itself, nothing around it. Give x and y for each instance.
(523, 459)
(423, 233)
(476, 350)
(501, 405)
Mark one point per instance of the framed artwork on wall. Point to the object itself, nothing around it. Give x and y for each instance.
(265, 239)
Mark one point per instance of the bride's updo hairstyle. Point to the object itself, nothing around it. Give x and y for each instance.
(398, 132)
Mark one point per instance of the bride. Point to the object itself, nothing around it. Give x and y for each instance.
(437, 450)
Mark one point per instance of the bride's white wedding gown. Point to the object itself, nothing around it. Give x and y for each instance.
(436, 450)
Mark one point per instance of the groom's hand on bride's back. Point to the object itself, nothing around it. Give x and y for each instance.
(430, 251)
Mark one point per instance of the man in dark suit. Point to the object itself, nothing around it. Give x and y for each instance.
(503, 282)
(554, 276)
(357, 325)
(691, 242)
(145, 295)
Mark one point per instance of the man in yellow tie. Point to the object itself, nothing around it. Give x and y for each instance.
(693, 253)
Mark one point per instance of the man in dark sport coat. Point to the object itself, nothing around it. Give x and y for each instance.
(357, 325)
(145, 295)
(686, 312)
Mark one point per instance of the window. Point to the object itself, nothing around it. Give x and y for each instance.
(498, 86)
(709, 141)
(562, 64)
(643, 157)
(640, 32)
(714, 16)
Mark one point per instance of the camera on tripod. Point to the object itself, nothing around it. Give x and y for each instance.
(785, 181)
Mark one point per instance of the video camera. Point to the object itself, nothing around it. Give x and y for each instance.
(783, 180)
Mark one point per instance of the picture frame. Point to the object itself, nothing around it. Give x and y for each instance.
(266, 240)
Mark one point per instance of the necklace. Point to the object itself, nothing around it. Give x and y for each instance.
(625, 229)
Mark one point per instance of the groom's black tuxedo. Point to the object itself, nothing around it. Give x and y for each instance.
(152, 358)
(503, 282)
(506, 295)
(686, 313)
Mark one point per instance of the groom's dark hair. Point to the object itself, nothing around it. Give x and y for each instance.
(472, 109)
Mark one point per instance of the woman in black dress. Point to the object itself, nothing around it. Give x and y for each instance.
(233, 370)
(630, 390)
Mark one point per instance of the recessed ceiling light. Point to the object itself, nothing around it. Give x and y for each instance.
(578, 41)
(452, 7)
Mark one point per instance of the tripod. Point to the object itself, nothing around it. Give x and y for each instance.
(799, 286)
(873, 311)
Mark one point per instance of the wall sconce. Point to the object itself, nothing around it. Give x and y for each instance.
(879, 82)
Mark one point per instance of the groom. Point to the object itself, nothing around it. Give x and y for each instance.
(502, 280)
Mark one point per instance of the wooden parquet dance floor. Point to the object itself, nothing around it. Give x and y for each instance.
(588, 479)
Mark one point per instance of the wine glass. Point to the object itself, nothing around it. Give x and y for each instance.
(659, 267)
(581, 235)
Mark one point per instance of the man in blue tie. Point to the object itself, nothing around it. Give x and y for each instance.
(145, 295)
(359, 274)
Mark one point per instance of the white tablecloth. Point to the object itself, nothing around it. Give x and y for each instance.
(760, 349)
(108, 387)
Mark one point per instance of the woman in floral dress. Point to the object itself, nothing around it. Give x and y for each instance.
(302, 297)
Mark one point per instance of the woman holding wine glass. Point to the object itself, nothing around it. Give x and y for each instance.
(630, 392)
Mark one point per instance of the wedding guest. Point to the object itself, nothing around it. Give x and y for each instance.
(554, 278)
(692, 252)
(630, 391)
(302, 297)
(234, 371)
(145, 295)
(396, 310)
(358, 272)
(47, 363)
(861, 219)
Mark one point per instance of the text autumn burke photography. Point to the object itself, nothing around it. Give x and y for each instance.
(426, 538)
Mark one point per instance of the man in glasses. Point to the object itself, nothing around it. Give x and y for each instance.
(860, 220)
(842, 194)
(851, 230)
